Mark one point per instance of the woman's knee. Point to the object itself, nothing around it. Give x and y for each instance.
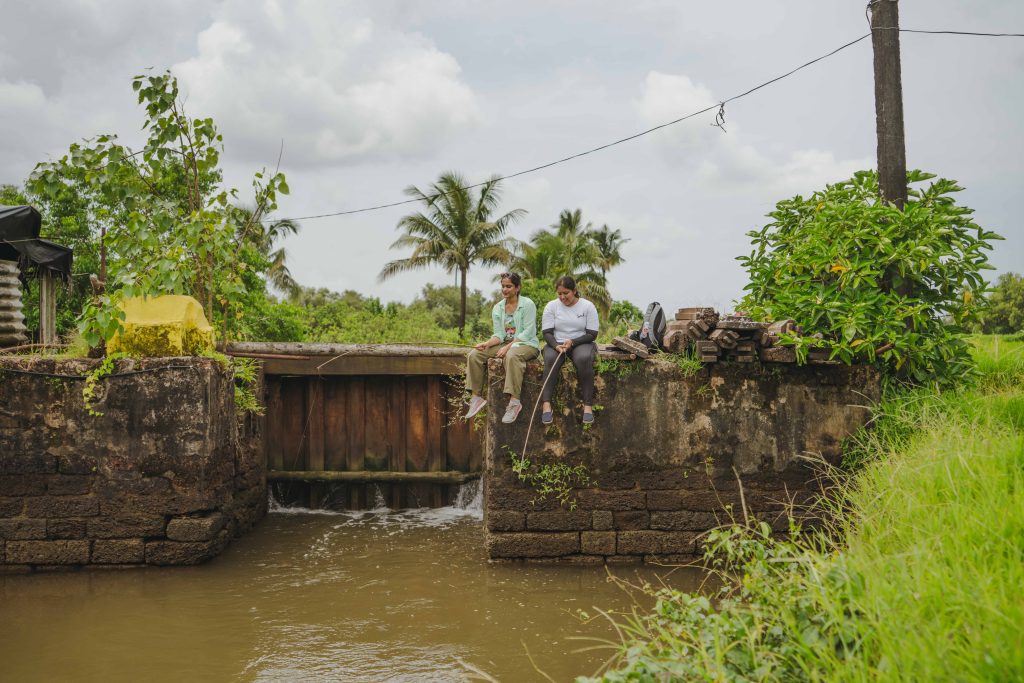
(584, 355)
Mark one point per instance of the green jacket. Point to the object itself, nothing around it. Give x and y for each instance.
(524, 318)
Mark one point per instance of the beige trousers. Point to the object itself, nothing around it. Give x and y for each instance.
(515, 367)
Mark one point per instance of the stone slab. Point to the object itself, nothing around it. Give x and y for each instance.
(195, 528)
(533, 544)
(47, 552)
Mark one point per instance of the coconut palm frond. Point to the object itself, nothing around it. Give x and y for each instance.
(455, 230)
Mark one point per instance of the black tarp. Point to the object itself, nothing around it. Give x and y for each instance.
(19, 241)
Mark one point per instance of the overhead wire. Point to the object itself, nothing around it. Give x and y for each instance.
(593, 150)
(719, 106)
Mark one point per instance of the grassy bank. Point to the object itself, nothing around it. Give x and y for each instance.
(922, 580)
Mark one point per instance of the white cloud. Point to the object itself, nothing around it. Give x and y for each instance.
(721, 159)
(349, 89)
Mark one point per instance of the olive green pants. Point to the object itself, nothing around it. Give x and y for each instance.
(515, 367)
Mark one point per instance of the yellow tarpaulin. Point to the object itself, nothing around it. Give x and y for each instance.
(171, 325)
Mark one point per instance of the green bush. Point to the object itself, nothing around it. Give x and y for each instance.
(917, 578)
(881, 285)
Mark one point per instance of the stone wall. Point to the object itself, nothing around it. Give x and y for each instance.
(162, 477)
(670, 456)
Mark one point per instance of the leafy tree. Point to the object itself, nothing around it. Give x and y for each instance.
(372, 322)
(1004, 313)
(443, 302)
(310, 297)
(625, 313)
(881, 285)
(166, 224)
(456, 231)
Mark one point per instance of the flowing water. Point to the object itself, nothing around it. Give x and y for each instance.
(359, 596)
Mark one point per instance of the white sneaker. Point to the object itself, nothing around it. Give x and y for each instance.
(512, 412)
(475, 404)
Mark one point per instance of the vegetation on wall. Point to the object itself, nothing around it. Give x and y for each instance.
(883, 286)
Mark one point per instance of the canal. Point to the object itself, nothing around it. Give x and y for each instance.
(378, 595)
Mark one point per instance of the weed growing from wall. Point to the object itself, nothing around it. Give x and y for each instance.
(611, 367)
(551, 479)
(105, 368)
(689, 363)
(244, 373)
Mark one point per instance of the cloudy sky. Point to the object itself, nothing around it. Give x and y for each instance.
(371, 97)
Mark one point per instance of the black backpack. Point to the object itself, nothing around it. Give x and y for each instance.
(652, 331)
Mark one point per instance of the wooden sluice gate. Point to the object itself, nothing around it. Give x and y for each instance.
(347, 426)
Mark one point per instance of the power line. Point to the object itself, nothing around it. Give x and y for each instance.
(958, 33)
(718, 106)
(589, 151)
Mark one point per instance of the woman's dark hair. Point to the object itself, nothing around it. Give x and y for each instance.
(567, 282)
(515, 278)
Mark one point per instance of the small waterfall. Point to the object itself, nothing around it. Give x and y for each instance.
(378, 499)
(470, 497)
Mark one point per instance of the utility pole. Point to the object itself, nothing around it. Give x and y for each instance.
(892, 152)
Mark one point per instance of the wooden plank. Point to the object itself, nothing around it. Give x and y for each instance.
(416, 422)
(336, 423)
(355, 404)
(396, 436)
(315, 433)
(366, 477)
(376, 415)
(435, 434)
(364, 365)
(273, 451)
(293, 432)
(416, 456)
(456, 430)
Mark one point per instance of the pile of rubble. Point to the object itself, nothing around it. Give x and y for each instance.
(713, 337)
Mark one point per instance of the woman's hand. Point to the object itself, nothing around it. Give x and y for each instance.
(502, 351)
(564, 346)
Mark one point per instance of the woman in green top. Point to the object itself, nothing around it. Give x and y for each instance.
(515, 340)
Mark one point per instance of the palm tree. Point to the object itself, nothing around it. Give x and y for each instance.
(263, 236)
(455, 231)
(609, 244)
(532, 261)
(278, 272)
(570, 250)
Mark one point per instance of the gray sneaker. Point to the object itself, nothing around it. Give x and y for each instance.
(476, 403)
(512, 412)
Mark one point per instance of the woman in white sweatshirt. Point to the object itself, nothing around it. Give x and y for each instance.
(570, 326)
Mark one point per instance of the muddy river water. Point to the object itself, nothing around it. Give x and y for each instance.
(366, 596)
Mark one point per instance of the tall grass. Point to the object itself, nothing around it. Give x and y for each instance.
(919, 578)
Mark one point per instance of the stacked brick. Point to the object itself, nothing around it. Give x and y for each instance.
(159, 479)
(666, 456)
(736, 338)
(655, 517)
